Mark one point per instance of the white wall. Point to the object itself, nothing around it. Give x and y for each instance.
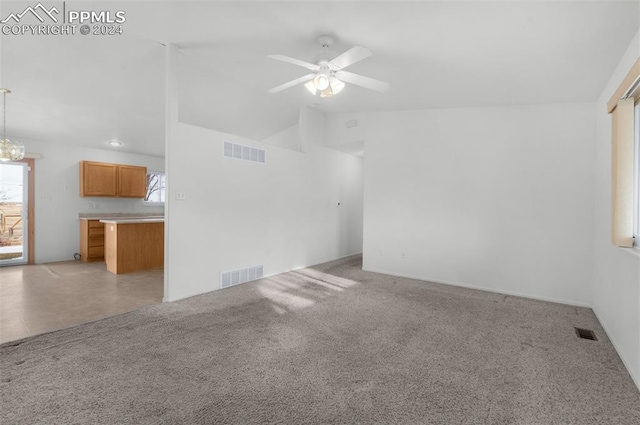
(57, 199)
(288, 138)
(616, 291)
(237, 213)
(220, 101)
(495, 198)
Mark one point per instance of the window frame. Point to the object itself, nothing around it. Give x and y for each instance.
(636, 176)
(621, 106)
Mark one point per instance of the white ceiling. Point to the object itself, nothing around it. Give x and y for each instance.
(88, 90)
(85, 91)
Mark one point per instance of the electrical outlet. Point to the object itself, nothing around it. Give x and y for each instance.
(181, 196)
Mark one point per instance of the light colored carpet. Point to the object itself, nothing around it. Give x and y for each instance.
(328, 344)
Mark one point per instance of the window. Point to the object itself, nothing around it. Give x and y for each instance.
(624, 159)
(155, 187)
(636, 201)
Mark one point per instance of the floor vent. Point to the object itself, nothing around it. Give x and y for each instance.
(236, 277)
(244, 153)
(586, 334)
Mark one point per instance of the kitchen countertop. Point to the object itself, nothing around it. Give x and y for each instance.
(136, 220)
(118, 216)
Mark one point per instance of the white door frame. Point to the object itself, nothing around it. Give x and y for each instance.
(25, 216)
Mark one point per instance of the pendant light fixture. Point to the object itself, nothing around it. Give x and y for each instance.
(9, 151)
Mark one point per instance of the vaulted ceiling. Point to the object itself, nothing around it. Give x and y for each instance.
(88, 90)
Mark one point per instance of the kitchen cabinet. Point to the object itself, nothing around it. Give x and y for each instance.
(91, 240)
(112, 180)
(98, 179)
(131, 245)
(132, 181)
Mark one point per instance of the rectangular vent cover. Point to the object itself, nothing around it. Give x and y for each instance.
(243, 153)
(236, 277)
(586, 334)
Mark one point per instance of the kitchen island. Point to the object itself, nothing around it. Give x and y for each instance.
(92, 232)
(133, 244)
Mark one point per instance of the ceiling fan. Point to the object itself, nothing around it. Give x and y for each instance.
(328, 76)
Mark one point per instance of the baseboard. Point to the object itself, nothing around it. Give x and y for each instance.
(484, 288)
(339, 258)
(635, 379)
(311, 265)
(182, 297)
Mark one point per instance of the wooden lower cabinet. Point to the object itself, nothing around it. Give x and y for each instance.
(133, 246)
(91, 240)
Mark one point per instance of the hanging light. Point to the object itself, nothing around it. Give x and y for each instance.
(9, 151)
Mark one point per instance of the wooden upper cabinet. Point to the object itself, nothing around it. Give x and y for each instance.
(98, 179)
(132, 181)
(114, 180)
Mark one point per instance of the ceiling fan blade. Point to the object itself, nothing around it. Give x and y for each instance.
(292, 83)
(295, 61)
(351, 56)
(362, 81)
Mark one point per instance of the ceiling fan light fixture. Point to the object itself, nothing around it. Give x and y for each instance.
(310, 85)
(324, 85)
(336, 85)
(321, 82)
(326, 92)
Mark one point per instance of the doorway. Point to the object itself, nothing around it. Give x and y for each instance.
(16, 213)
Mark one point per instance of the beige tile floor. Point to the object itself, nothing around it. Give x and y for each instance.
(45, 297)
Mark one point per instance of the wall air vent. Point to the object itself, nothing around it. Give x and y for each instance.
(243, 153)
(236, 277)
